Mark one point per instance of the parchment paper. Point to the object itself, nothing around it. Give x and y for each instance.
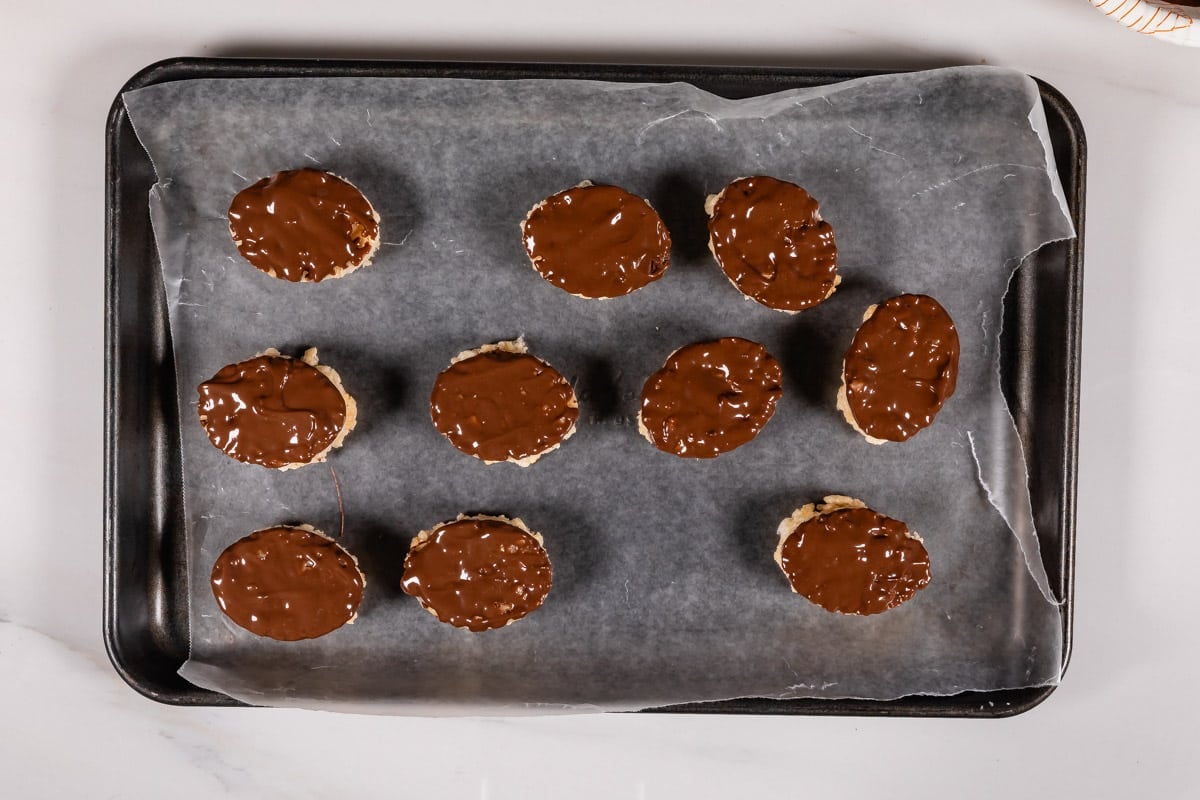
(664, 586)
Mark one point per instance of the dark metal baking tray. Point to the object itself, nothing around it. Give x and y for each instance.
(145, 572)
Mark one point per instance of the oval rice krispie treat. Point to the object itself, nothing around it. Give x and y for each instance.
(849, 559)
(304, 225)
(499, 403)
(276, 411)
(710, 397)
(288, 583)
(597, 241)
(478, 572)
(770, 240)
(900, 369)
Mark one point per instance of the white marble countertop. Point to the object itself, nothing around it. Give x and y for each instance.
(1120, 723)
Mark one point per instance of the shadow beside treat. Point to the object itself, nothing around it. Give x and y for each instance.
(380, 549)
(393, 195)
(811, 362)
(598, 390)
(380, 384)
(753, 531)
(859, 291)
(812, 343)
(576, 555)
(386, 385)
(499, 208)
(678, 197)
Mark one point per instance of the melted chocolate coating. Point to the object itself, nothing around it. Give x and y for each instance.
(855, 561)
(478, 573)
(711, 397)
(271, 410)
(500, 406)
(901, 367)
(597, 241)
(287, 584)
(303, 225)
(769, 239)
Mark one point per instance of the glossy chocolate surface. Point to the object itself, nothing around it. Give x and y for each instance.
(271, 410)
(478, 573)
(287, 584)
(303, 225)
(711, 397)
(770, 241)
(901, 367)
(502, 406)
(855, 561)
(597, 241)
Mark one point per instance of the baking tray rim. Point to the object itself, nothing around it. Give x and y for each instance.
(974, 704)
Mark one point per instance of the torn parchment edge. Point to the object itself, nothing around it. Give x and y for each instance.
(1017, 508)
(1014, 506)
(1037, 121)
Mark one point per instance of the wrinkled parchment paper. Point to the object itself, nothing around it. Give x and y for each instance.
(664, 586)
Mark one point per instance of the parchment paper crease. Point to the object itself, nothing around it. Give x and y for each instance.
(665, 589)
